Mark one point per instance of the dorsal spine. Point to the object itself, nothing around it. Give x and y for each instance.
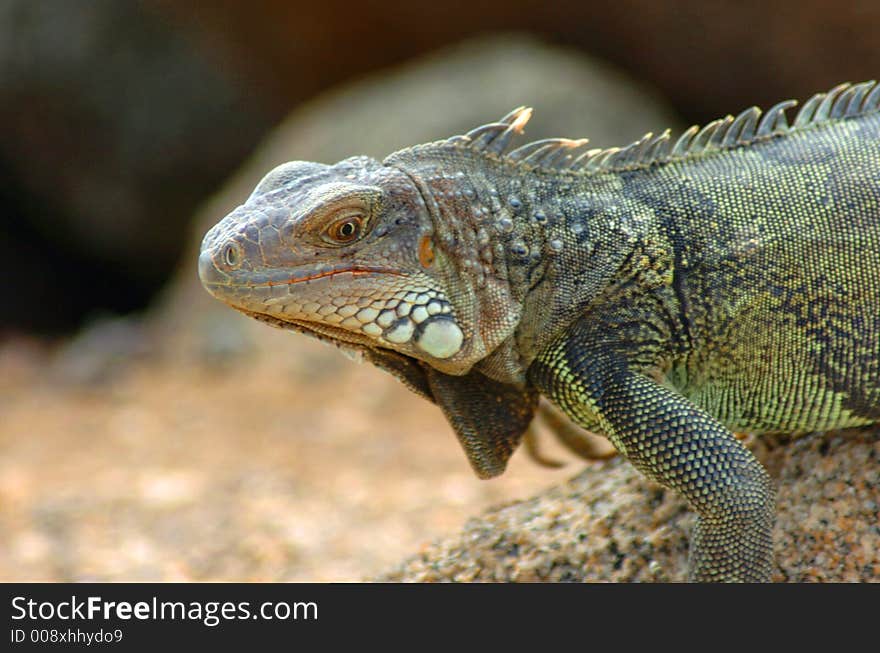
(750, 126)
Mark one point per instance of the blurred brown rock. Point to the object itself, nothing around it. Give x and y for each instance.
(708, 58)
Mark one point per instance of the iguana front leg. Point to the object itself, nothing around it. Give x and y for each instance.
(675, 443)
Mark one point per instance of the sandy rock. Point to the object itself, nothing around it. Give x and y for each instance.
(610, 524)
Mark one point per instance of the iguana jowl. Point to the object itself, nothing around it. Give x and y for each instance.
(663, 294)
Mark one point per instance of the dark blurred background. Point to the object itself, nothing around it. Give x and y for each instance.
(118, 118)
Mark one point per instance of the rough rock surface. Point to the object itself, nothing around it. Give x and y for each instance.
(610, 524)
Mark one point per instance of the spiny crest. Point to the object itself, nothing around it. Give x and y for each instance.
(843, 101)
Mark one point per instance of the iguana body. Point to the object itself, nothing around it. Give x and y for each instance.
(664, 294)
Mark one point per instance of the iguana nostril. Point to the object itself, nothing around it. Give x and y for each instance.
(208, 272)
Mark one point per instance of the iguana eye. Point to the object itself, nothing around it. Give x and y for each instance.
(230, 255)
(345, 230)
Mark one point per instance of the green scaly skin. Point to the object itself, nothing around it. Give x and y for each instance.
(662, 295)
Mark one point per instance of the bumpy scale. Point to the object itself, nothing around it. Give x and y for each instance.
(663, 294)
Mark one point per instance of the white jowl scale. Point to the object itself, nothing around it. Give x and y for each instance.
(441, 338)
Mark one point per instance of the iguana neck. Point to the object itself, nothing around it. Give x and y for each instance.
(510, 238)
(474, 231)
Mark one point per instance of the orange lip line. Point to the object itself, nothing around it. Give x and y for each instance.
(355, 271)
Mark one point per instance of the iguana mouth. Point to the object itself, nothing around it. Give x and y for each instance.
(304, 276)
(355, 271)
(342, 338)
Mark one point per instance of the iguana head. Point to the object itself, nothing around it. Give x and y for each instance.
(403, 261)
(349, 253)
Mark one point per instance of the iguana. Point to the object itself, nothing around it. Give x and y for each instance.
(664, 294)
